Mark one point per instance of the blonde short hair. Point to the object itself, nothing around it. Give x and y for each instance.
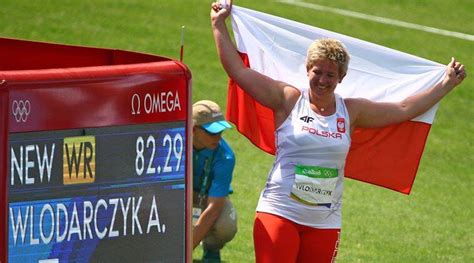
(331, 49)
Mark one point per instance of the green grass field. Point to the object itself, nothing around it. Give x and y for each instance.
(433, 224)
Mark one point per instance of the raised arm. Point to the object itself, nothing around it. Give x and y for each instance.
(276, 95)
(369, 114)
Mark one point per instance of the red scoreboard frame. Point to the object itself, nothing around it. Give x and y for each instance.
(57, 99)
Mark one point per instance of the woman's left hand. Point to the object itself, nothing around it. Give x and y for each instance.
(455, 74)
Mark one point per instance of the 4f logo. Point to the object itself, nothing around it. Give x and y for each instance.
(341, 125)
(307, 119)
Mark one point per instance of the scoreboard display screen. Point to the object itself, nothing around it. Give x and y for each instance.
(96, 166)
(97, 194)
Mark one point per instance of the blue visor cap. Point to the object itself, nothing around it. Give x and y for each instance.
(216, 127)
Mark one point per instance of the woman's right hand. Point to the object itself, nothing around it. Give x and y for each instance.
(220, 10)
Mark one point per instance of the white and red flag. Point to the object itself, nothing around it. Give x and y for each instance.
(274, 46)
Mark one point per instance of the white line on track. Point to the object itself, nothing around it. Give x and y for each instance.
(379, 19)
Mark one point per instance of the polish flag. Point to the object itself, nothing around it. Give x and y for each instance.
(274, 46)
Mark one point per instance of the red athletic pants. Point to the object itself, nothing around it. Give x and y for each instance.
(277, 239)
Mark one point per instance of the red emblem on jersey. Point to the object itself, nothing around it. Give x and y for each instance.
(341, 125)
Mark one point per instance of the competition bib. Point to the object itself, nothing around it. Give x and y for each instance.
(314, 185)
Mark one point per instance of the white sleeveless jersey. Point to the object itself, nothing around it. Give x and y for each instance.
(306, 138)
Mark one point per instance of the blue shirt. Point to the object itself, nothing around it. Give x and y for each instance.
(221, 170)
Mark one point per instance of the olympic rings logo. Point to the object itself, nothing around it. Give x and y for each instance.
(21, 109)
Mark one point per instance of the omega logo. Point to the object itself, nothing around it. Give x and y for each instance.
(159, 102)
(21, 109)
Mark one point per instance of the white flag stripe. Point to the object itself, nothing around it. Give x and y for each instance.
(277, 48)
(379, 19)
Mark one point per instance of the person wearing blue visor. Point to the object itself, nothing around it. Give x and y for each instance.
(214, 217)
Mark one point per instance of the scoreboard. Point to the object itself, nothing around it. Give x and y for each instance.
(97, 158)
